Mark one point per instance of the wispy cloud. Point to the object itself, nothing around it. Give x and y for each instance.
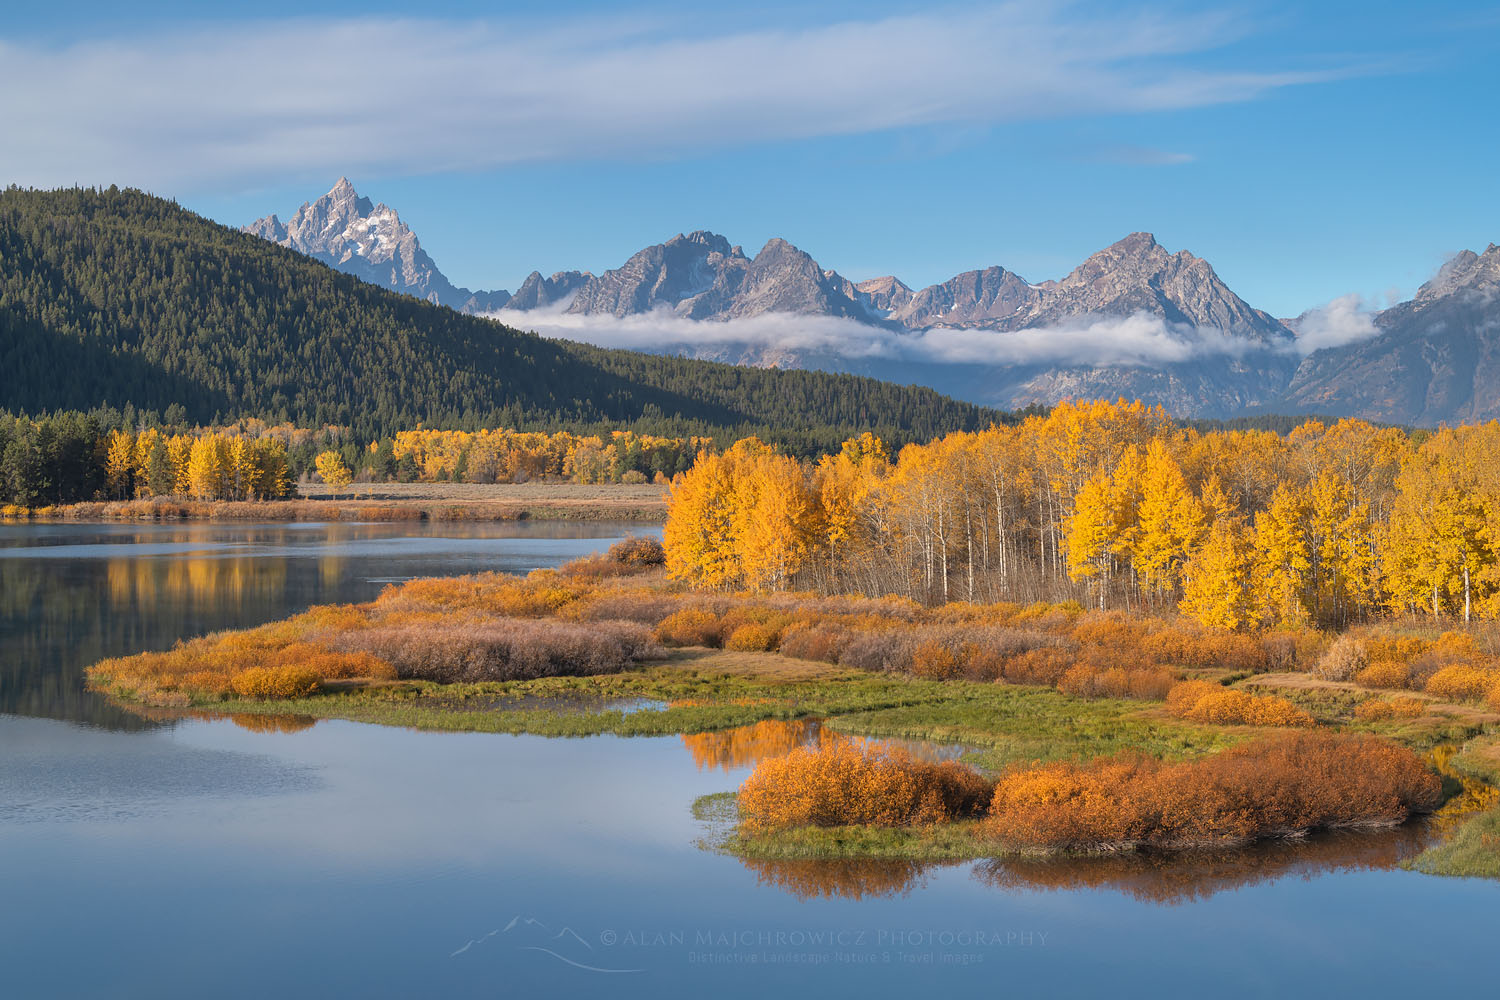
(258, 100)
(1346, 320)
(1139, 339)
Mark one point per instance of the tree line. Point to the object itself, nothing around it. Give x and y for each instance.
(1117, 506)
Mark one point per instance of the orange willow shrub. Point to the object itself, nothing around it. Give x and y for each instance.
(1462, 681)
(275, 682)
(1204, 701)
(752, 638)
(844, 784)
(1377, 709)
(934, 661)
(689, 627)
(1275, 786)
(1085, 681)
(1384, 674)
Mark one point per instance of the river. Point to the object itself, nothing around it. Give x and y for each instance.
(152, 858)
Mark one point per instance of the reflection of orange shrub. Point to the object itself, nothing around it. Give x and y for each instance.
(1462, 681)
(1377, 709)
(1271, 787)
(273, 723)
(274, 682)
(1204, 701)
(752, 638)
(1383, 674)
(689, 627)
(819, 878)
(843, 784)
(743, 746)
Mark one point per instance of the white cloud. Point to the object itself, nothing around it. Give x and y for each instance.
(1139, 339)
(260, 100)
(1345, 320)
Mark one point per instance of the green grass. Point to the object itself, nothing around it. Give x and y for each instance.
(1473, 850)
(1005, 724)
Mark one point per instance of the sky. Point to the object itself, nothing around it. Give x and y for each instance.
(1310, 151)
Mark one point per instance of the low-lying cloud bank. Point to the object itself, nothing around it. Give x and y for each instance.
(1345, 320)
(1137, 340)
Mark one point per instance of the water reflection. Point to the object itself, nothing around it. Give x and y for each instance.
(73, 594)
(745, 746)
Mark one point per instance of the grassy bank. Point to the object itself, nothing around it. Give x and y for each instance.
(1048, 695)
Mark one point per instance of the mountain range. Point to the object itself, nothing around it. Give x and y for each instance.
(1133, 319)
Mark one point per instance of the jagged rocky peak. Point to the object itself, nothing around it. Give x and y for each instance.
(348, 231)
(1466, 270)
(885, 294)
(537, 292)
(1136, 274)
(986, 297)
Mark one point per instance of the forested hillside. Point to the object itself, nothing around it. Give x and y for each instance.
(115, 297)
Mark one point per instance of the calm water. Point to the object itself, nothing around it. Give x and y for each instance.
(206, 858)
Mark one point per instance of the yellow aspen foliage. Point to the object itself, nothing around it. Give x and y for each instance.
(1216, 586)
(119, 464)
(1281, 558)
(698, 535)
(773, 521)
(208, 465)
(1090, 532)
(335, 474)
(1170, 519)
(180, 451)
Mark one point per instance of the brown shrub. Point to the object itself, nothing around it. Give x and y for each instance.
(1345, 658)
(504, 649)
(810, 641)
(1044, 666)
(638, 550)
(844, 784)
(878, 652)
(690, 627)
(643, 606)
(1271, 787)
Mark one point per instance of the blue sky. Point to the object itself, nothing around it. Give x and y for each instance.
(1307, 150)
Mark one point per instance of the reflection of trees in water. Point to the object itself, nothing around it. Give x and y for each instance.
(846, 878)
(1165, 878)
(746, 746)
